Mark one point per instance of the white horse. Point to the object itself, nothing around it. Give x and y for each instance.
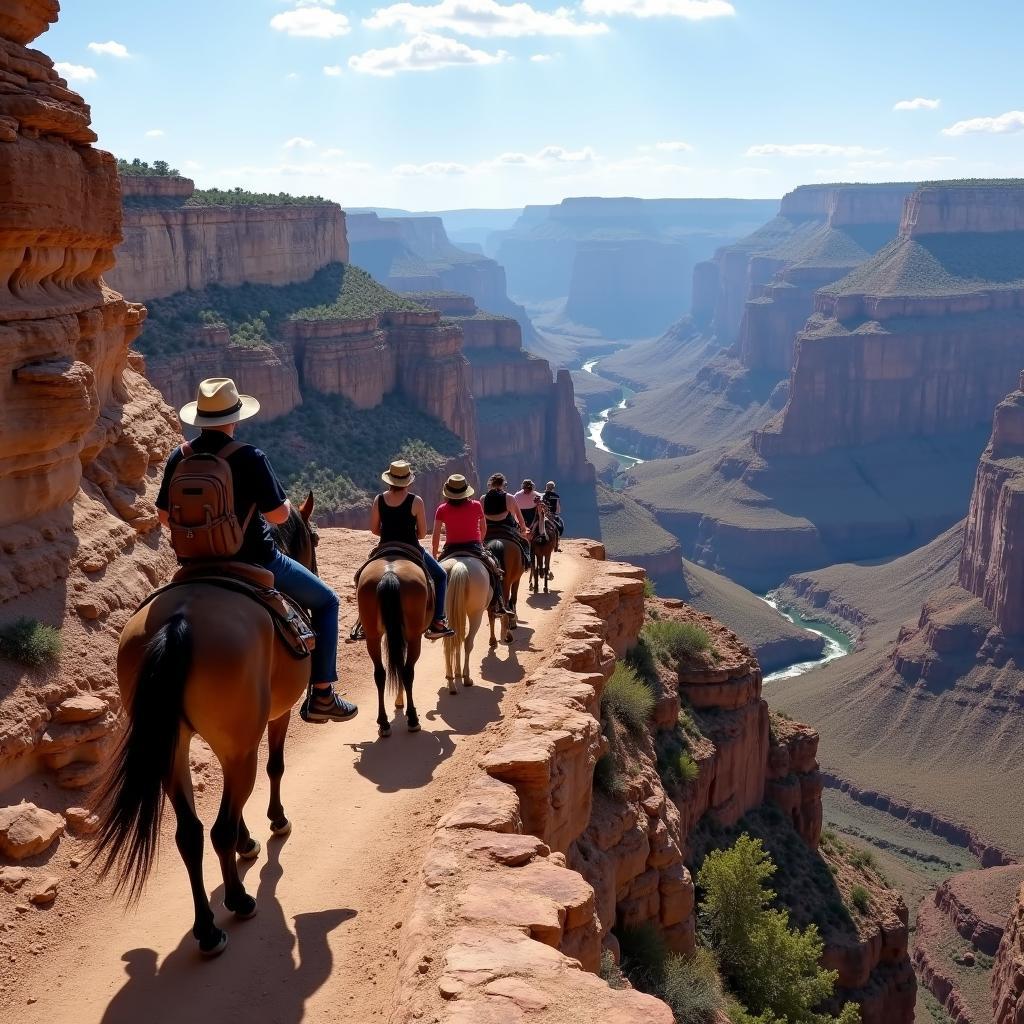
(469, 594)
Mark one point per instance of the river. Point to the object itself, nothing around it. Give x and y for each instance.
(595, 428)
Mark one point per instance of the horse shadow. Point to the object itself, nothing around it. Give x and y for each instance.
(385, 762)
(545, 601)
(255, 973)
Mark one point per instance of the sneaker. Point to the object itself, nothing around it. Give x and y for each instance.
(437, 629)
(356, 634)
(330, 708)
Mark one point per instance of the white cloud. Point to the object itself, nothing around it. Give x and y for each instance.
(918, 103)
(482, 18)
(292, 76)
(801, 149)
(74, 72)
(1011, 121)
(673, 147)
(110, 49)
(155, 133)
(542, 58)
(310, 20)
(298, 142)
(689, 10)
(431, 169)
(425, 52)
(333, 70)
(546, 156)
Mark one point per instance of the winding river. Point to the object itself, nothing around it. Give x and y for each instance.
(837, 644)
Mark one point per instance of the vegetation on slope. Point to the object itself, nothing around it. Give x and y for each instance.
(243, 197)
(140, 169)
(328, 446)
(30, 642)
(254, 312)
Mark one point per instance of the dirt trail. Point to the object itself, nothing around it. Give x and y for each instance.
(332, 897)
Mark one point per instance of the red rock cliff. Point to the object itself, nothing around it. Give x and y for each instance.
(81, 430)
(171, 248)
(922, 339)
(1008, 971)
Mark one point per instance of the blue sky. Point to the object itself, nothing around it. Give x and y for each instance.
(461, 103)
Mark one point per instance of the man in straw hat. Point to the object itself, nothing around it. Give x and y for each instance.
(399, 517)
(260, 500)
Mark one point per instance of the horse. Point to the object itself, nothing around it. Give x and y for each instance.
(470, 592)
(509, 556)
(543, 541)
(395, 608)
(200, 659)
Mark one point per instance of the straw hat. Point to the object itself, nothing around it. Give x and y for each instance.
(217, 404)
(456, 487)
(398, 474)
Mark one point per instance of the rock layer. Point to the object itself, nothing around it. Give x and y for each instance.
(81, 430)
(1008, 971)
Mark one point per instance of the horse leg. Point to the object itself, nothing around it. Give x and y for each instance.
(380, 676)
(277, 730)
(188, 837)
(412, 654)
(247, 848)
(547, 570)
(474, 625)
(239, 778)
(451, 659)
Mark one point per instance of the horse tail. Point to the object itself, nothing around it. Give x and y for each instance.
(131, 798)
(389, 601)
(457, 606)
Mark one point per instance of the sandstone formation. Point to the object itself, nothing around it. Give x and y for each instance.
(81, 431)
(170, 247)
(1008, 972)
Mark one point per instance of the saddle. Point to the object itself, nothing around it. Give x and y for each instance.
(471, 550)
(499, 531)
(290, 621)
(396, 550)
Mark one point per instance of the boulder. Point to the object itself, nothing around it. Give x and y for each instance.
(26, 830)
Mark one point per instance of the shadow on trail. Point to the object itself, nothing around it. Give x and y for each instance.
(254, 979)
(404, 760)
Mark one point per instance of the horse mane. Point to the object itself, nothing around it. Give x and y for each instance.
(294, 535)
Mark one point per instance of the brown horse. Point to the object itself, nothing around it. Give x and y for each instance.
(543, 540)
(395, 607)
(200, 659)
(509, 556)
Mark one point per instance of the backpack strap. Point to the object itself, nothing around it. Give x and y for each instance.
(185, 449)
(225, 453)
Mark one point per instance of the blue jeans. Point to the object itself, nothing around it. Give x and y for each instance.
(305, 587)
(440, 578)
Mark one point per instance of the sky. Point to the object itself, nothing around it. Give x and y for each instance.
(485, 103)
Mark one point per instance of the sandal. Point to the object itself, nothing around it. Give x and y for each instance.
(329, 707)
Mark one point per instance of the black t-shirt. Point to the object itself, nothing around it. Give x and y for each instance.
(255, 483)
(551, 499)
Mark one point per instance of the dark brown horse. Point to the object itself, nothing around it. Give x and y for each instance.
(395, 607)
(509, 556)
(200, 659)
(543, 540)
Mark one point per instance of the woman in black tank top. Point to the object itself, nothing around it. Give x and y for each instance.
(397, 524)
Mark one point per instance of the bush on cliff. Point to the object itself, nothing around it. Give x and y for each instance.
(243, 197)
(672, 642)
(773, 969)
(627, 699)
(30, 642)
(140, 169)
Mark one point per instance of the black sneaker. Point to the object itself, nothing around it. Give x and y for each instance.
(437, 629)
(316, 709)
(356, 634)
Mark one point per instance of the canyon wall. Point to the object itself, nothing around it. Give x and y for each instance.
(82, 433)
(524, 878)
(1008, 971)
(922, 339)
(170, 247)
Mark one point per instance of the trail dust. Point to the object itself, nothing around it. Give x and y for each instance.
(333, 896)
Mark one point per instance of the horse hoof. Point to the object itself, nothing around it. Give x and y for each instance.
(245, 909)
(384, 731)
(251, 852)
(281, 830)
(414, 727)
(220, 942)
(452, 691)
(467, 681)
(493, 643)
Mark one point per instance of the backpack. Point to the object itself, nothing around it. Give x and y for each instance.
(201, 505)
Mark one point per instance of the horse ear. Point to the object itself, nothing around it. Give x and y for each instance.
(306, 509)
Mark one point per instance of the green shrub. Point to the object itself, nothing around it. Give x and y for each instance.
(863, 860)
(672, 641)
(610, 971)
(140, 169)
(640, 657)
(30, 642)
(693, 988)
(650, 590)
(644, 956)
(607, 777)
(860, 898)
(627, 699)
(689, 770)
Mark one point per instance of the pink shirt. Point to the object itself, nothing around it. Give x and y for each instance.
(462, 523)
(526, 499)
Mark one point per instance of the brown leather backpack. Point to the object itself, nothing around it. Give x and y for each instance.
(201, 505)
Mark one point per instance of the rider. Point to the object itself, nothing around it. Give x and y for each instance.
(527, 499)
(464, 523)
(399, 516)
(501, 509)
(218, 409)
(553, 500)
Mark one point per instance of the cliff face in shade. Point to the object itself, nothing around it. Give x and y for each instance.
(993, 561)
(169, 247)
(1008, 971)
(81, 430)
(527, 423)
(922, 339)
